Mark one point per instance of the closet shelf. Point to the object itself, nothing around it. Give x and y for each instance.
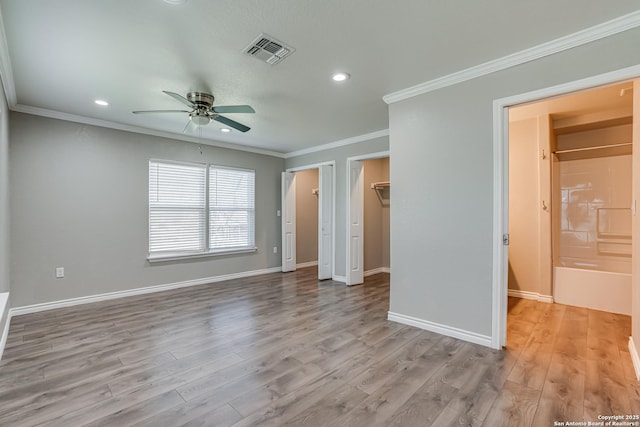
(380, 185)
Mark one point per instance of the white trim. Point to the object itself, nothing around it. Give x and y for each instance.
(160, 257)
(312, 166)
(4, 307)
(336, 278)
(340, 143)
(35, 308)
(36, 111)
(516, 293)
(588, 35)
(377, 271)
(449, 331)
(635, 359)
(500, 180)
(307, 264)
(370, 156)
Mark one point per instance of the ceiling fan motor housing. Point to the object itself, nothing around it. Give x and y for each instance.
(201, 99)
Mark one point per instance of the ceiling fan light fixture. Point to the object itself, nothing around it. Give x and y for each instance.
(200, 120)
(225, 130)
(340, 77)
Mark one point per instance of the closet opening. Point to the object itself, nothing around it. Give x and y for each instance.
(368, 229)
(308, 218)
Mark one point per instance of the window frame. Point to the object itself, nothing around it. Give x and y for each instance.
(162, 256)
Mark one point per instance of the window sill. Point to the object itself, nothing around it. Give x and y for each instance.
(176, 257)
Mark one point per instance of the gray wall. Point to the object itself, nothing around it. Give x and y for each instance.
(376, 215)
(4, 195)
(79, 200)
(4, 211)
(306, 216)
(340, 156)
(442, 172)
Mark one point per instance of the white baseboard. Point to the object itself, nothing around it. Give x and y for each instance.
(18, 311)
(342, 279)
(376, 271)
(530, 295)
(307, 264)
(634, 358)
(4, 307)
(449, 331)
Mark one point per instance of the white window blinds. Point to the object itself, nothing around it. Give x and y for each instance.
(231, 208)
(176, 207)
(199, 209)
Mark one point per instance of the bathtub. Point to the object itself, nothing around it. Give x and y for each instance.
(593, 288)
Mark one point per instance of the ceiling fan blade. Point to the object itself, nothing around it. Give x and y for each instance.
(180, 98)
(227, 121)
(160, 111)
(223, 109)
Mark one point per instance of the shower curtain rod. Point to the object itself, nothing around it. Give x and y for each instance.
(599, 147)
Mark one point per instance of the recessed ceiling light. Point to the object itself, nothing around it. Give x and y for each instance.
(225, 130)
(340, 77)
(101, 102)
(175, 1)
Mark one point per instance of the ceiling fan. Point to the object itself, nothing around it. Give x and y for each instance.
(202, 110)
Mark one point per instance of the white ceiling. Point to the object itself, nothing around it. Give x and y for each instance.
(66, 53)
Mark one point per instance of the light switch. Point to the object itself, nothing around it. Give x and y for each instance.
(59, 272)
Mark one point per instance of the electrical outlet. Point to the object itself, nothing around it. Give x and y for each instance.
(59, 272)
(278, 212)
(275, 249)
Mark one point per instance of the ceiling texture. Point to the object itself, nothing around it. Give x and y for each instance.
(64, 54)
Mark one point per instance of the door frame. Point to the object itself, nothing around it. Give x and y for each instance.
(370, 156)
(501, 183)
(333, 207)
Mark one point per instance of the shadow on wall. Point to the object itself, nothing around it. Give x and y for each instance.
(513, 280)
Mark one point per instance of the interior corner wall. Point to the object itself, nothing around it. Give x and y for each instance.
(340, 155)
(79, 200)
(306, 216)
(442, 243)
(524, 208)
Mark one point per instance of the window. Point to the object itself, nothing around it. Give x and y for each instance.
(198, 210)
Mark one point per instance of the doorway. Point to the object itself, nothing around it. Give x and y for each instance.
(502, 238)
(570, 176)
(368, 227)
(308, 218)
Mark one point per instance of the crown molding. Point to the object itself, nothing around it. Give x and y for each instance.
(340, 143)
(588, 35)
(138, 129)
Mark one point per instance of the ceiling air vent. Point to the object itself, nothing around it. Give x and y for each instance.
(268, 49)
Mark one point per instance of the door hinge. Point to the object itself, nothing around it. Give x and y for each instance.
(505, 239)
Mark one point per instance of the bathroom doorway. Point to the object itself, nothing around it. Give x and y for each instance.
(570, 198)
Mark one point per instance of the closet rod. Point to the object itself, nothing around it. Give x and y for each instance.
(599, 147)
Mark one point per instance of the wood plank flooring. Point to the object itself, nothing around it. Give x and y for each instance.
(287, 350)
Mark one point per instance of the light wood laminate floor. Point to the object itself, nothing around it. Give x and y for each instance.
(285, 349)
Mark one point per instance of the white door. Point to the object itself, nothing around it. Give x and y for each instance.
(325, 222)
(288, 221)
(355, 244)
